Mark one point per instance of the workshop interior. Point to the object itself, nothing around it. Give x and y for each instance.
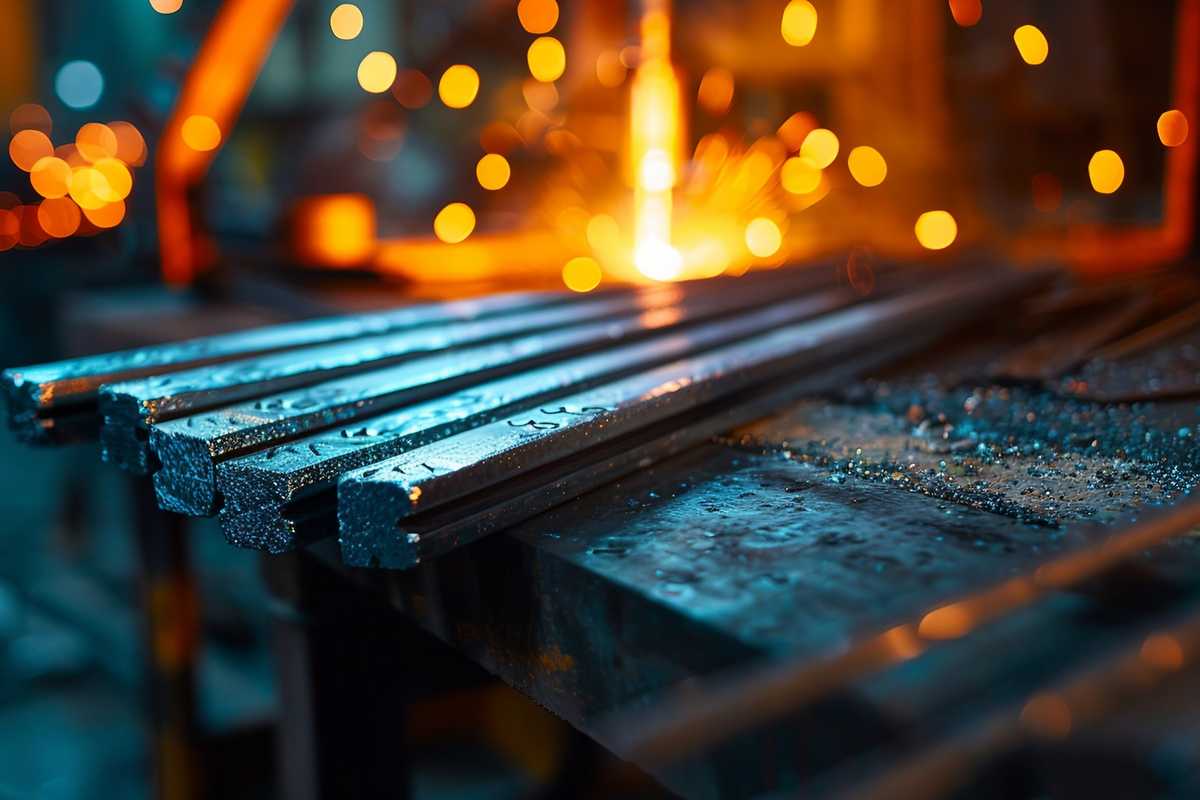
(599, 398)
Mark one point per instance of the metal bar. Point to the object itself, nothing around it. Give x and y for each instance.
(754, 698)
(1086, 696)
(189, 448)
(130, 407)
(373, 502)
(35, 391)
(281, 497)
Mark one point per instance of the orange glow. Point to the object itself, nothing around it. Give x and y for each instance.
(51, 177)
(131, 147)
(117, 178)
(459, 86)
(538, 16)
(107, 216)
(346, 21)
(547, 59)
(947, 622)
(1162, 652)
(166, 6)
(32, 234)
(1047, 192)
(89, 188)
(28, 147)
(799, 175)
(10, 229)
(966, 13)
(820, 147)
(1031, 44)
(799, 23)
(59, 217)
(96, 141)
(581, 274)
(795, 128)
(656, 146)
(1047, 715)
(609, 69)
(763, 238)
(716, 90)
(70, 154)
(201, 133)
(936, 230)
(216, 86)
(29, 116)
(377, 72)
(493, 171)
(539, 96)
(335, 230)
(412, 89)
(1106, 171)
(454, 223)
(1172, 128)
(867, 165)
(499, 137)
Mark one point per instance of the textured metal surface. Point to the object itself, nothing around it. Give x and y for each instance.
(188, 449)
(373, 502)
(38, 391)
(130, 407)
(275, 498)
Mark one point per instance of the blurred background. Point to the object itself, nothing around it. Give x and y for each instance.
(182, 167)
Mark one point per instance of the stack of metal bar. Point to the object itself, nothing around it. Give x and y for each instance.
(410, 432)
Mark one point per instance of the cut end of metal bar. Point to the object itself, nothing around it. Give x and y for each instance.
(124, 436)
(188, 486)
(253, 516)
(372, 538)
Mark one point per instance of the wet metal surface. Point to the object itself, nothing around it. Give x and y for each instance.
(259, 488)
(372, 500)
(188, 449)
(33, 391)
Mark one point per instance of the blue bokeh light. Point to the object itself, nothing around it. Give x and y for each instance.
(79, 84)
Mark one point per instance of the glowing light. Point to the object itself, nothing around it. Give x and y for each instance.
(107, 216)
(346, 21)
(547, 59)
(603, 233)
(1106, 171)
(377, 72)
(79, 84)
(538, 16)
(656, 173)
(459, 86)
(658, 260)
(716, 90)
(117, 178)
(88, 188)
(499, 137)
(539, 96)
(96, 141)
(763, 238)
(1031, 44)
(795, 128)
(799, 175)
(70, 153)
(10, 229)
(28, 147)
(966, 13)
(201, 133)
(337, 230)
(581, 274)
(867, 165)
(59, 217)
(609, 69)
(936, 230)
(1162, 651)
(29, 116)
(51, 177)
(820, 147)
(493, 171)
(166, 6)
(454, 223)
(1173, 128)
(412, 89)
(32, 234)
(131, 147)
(799, 23)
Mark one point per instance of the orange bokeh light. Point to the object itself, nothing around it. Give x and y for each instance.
(51, 177)
(59, 217)
(28, 147)
(95, 141)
